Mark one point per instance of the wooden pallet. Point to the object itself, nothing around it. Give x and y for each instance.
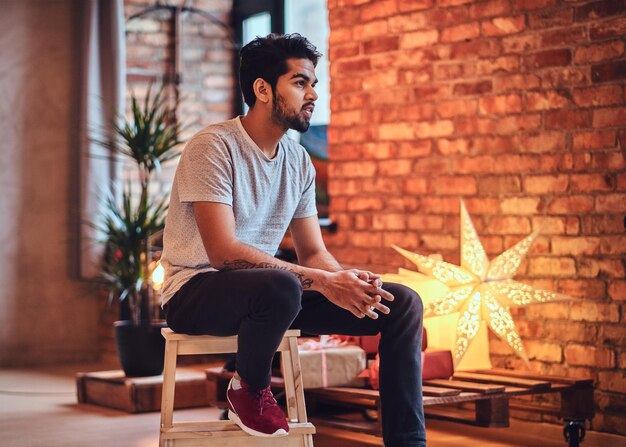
(488, 390)
(140, 394)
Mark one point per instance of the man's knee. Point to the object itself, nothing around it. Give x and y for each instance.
(407, 302)
(283, 291)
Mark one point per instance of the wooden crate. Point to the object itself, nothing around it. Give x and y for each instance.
(141, 394)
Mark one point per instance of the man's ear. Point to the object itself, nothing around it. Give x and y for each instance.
(262, 90)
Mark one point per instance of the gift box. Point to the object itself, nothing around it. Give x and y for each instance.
(370, 342)
(437, 364)
(324, 366)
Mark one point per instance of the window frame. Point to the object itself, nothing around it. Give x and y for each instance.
(244, 9)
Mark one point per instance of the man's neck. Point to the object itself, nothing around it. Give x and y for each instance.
(265, 133)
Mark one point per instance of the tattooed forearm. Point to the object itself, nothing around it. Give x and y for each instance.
(241, 264)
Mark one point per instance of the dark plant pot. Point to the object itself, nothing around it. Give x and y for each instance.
(140, 348)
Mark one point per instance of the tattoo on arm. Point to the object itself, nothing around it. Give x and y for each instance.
(242, 264)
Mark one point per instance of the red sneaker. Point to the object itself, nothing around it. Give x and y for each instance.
(256, 411)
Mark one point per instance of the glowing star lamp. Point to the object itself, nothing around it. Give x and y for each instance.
(441, 329)
(479, 291)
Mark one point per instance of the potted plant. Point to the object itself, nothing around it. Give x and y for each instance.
(148, 139)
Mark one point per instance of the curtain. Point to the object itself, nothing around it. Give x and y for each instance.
(102, 99)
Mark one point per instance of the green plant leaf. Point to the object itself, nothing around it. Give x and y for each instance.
(148, 138)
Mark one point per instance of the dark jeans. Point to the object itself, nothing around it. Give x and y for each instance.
(261, 304)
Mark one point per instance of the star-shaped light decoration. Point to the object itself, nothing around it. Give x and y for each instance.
(481, 290)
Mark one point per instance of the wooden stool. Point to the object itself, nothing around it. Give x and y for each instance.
(226, 433)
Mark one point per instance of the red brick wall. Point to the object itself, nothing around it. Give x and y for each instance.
(207, 90)
(516, 106)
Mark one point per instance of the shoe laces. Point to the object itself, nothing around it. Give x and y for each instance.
(265, 398)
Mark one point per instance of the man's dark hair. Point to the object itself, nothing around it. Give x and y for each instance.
(266, 58)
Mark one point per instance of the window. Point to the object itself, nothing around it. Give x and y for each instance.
(256, 25)
(309, 18)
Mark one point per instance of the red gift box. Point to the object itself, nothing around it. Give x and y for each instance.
(369, 343)
(436, 363)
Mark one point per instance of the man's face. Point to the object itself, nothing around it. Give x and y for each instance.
(294, 99)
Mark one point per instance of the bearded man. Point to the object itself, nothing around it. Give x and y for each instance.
(239, 186)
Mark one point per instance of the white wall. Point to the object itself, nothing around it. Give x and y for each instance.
(45, 316)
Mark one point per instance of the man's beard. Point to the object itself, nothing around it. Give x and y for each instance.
(282, 117)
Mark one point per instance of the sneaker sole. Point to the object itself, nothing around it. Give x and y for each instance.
(233, 417)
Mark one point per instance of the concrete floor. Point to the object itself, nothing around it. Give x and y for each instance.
(38, 407)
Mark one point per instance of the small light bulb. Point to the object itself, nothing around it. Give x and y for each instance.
(158, 275)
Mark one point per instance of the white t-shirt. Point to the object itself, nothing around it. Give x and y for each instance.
(223, 164)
